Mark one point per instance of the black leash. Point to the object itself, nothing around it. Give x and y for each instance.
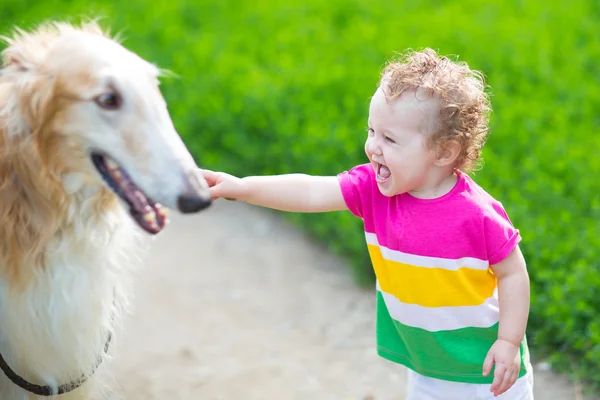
(47, 390)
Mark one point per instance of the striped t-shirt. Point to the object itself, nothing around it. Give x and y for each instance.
(437, 298)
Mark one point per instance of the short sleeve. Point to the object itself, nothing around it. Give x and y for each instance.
(356, 185)
(501, 236)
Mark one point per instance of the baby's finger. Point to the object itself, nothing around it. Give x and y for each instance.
(506, 383)
(498, 377)
(513, 379)
(215, 192)
(220, 190)
(209, 176)
(488, 363)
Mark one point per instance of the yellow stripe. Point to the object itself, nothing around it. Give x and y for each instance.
(432, 287)
(425, 261)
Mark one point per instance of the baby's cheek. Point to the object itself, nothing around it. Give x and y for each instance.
(367, 149)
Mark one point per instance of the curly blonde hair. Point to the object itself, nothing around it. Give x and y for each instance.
(460, 91)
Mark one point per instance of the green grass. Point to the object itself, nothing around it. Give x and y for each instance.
(268, 88)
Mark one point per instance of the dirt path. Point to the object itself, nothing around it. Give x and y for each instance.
(236, 304)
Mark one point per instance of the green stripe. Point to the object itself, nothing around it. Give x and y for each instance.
(455, 355)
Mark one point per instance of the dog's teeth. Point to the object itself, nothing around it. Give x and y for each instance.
(149, 217)
(162, 211)
(111, 164)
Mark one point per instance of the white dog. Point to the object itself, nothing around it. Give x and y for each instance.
(88, 153)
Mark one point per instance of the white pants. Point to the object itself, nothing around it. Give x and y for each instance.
(424, 388)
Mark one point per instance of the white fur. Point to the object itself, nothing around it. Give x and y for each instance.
(61, 321)
(56, 312)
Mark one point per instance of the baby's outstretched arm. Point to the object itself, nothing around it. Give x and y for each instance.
(514, 298)
(292, 192)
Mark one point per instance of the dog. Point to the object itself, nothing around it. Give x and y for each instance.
(90, 162)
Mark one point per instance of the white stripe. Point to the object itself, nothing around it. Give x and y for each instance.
(427, 262)
(443, 318)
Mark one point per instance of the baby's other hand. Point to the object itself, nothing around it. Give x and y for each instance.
(222, 185)
(505, 355)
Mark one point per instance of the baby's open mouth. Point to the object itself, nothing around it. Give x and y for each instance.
(383, 173)
(149, 215)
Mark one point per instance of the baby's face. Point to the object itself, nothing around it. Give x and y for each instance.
(397, 141)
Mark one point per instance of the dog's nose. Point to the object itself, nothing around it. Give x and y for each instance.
(195, 195)
(191, 203)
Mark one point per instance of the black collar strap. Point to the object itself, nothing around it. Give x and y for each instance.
(47, 390)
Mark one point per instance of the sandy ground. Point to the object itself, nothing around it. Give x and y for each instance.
(235, 304)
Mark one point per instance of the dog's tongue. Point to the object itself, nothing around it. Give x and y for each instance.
(138, 200)
(384, 172)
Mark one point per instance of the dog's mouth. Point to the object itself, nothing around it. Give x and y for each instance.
(149, 215)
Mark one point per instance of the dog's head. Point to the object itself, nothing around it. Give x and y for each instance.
(96, 114)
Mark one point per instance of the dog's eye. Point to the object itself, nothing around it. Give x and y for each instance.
(109, 101)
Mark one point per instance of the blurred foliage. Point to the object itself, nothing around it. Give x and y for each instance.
(265, 87)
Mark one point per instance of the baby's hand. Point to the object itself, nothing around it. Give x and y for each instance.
(506, 357)
(223, 185)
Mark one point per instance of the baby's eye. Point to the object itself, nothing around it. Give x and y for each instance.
(370, 131)
(389, 139)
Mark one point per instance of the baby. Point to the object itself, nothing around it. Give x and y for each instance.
(452, 284)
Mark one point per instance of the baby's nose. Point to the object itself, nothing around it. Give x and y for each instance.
(373, 147)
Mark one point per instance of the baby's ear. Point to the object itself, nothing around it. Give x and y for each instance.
(447, 153)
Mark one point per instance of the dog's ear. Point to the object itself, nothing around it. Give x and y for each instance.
(25, 91)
